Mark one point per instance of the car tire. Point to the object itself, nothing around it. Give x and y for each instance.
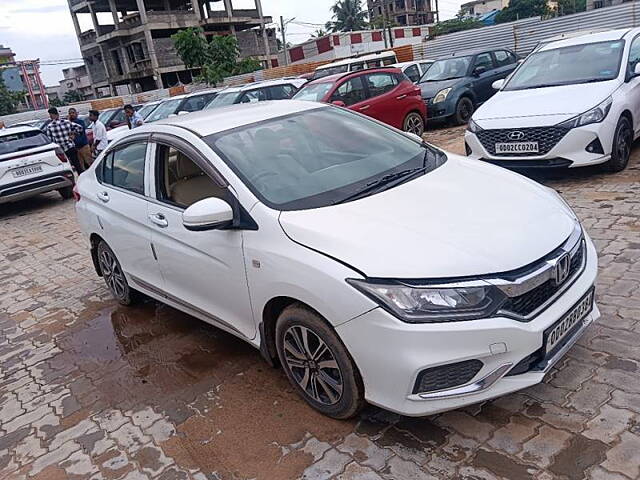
(413, 123)
(66, 192)
(114, 276)
(621, 151)
(464, 111)
(320, 369)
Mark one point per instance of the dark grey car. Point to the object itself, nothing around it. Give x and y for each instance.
(455, 85)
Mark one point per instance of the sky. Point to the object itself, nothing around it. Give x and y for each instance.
(43, 28)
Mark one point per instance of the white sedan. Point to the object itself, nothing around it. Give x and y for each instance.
(369, 264)
(573, 102)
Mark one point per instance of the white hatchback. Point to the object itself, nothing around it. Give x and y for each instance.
(573, 102)
(370, 265)
(31, 164)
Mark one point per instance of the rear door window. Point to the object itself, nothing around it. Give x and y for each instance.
(252, 96)
(350, 92)
(282, 92)
(20, 141)
(197, 103)
(504, 58)
(380, 83)
(485, 61)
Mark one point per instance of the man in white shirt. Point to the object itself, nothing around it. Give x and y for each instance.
(100, 141)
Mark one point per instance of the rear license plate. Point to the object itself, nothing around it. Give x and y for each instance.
(22, 172)
(517, 147)
(567, 324)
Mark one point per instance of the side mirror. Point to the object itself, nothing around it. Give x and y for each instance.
(479, 71)
(498, 84)
(183, 112)
(636, 70)
(171, 115)
(339, 103)
(208, 214)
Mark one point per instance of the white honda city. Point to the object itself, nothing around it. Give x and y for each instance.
(571, 103)
(370, 265)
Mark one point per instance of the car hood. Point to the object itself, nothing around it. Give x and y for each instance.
(548, 105)
(430, 89)
(465, 218)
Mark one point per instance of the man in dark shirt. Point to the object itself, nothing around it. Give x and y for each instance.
(62, 132)
(81, 141)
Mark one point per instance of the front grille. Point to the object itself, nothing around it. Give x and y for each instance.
(529, 302)
(547, 138)
(446, 376)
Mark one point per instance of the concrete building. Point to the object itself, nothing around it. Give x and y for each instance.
(594, 4)
(129, 46)
(76, 78)
(479, 8)
(23, 76)
(402, 12)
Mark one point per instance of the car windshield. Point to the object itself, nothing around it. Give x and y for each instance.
(17, 142)
(319, 157)
(164, 110)
(223, 99)
(106, 116)
(447, 69)
(146, 110)
(314, 93)
(587, 63)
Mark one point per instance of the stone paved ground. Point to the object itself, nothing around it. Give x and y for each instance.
(92, 390)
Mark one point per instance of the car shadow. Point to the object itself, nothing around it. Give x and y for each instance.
(30, 205)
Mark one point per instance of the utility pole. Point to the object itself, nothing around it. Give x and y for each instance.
(437, 13)
(284, 41)
(265, 38)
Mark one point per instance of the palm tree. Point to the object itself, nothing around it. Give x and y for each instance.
(348, 15)
(319, 33)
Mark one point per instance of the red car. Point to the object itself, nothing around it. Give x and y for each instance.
(385, 94)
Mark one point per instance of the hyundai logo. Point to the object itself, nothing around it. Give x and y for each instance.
(561, 269)
(517, 135)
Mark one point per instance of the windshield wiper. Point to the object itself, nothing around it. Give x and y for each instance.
(386, 180)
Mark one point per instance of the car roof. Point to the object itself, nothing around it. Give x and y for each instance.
(361, 58)
(18, 129)
(209, 122)
(587, 37)
(408, 64)
(264, 83)
(338, 76)
(468, 53)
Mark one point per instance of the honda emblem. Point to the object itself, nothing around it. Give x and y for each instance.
(562, 268)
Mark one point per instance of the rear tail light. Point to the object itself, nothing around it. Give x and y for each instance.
(76, 194)
(61, 155)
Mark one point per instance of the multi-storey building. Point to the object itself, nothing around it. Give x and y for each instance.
(402, 12)
(76, 79)
(23, 76)
(133, 49)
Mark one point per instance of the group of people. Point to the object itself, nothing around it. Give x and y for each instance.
(71, 135)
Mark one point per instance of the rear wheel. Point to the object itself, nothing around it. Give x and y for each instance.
(622, 142)
(464, 111)
(413, 123)
(66, 192)
(318, 364)
(114, 276)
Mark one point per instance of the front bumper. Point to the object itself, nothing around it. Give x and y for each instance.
(570, 151)
(22, 189)
(439, 111)
(390, 354)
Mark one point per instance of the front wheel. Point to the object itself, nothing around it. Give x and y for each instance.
(66, 193)
(114, 276)
(464, 111)
(621, 151)
(317, 363)
(413, 123)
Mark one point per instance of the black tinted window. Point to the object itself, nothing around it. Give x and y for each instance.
(282, 92)
(484, 60)
(124, 168)
(197, 103)
(380, 83)
(350, 92)
(17, 142)
(253, 96)
(504, 58)
(413, 73)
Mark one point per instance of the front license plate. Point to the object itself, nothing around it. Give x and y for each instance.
(566, 326)
(21, 172)
(517, 147)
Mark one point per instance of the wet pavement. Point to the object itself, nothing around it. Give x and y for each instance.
(89, 389)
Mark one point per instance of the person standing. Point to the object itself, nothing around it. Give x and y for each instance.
(134, 119)
(62, 132)
(99, 134)
(81, 141)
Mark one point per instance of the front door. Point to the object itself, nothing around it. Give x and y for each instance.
(485, 74)
(386, 102)
(633, 86)
(203, 271)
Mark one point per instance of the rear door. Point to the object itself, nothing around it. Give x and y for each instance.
(121, 207)
(281, 92)
(386, 99)
(353, 94)
(506, 62)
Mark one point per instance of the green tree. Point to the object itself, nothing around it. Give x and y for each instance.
(456, 25)
(56, 102)
(519, 9)
(9, 100)
(72, 96)
(191, 47)
(567, 7)
(320, 32)
(348, 15)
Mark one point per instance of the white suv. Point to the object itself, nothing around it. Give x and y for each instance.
(281, 89)
(571, 103)
(31, 164)
(300, 228)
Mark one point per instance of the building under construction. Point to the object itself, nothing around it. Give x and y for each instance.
(127, 46)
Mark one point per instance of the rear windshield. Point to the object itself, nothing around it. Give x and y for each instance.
(19, 141)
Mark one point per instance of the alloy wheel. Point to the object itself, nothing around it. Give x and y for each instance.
(414, 124)
(313, 365)
(113, 275)
(623, 144)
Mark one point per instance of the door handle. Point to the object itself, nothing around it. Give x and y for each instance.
(365, 107)
(159, 219)
(103, 196)
(400, 97)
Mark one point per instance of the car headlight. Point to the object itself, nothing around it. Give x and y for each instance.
(432, 304)
(473, 127)
(441, 96)
(595, 115)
